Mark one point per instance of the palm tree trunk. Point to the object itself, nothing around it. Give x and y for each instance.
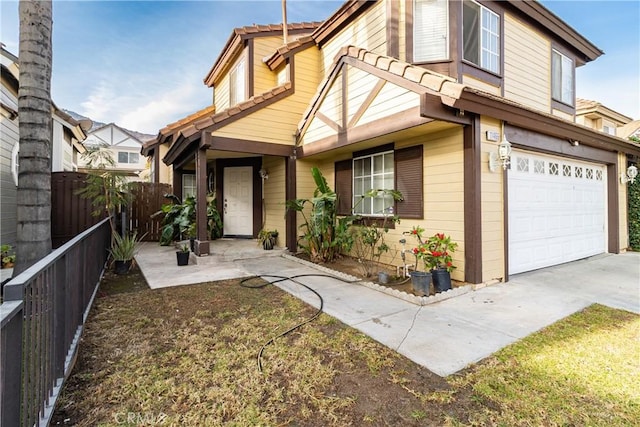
(35, 129)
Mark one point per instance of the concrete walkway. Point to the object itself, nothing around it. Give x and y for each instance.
(447, 336)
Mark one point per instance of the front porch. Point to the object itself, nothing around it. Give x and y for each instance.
(225, 261)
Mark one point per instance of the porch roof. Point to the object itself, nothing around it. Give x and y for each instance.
(461, 98)
(192, 129)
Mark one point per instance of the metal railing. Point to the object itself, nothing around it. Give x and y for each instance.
(42, 318)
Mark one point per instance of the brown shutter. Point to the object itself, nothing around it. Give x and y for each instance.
(343, 186)
(408, 170)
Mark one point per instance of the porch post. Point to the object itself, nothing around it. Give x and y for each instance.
(201, 246)
(290, 194)
(472, 202)
(177, 183)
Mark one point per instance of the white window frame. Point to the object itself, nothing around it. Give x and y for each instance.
(15, 158)
(369, 203)
(189, 186)
(237, 83)
(488, 48)
(128, 162)
(430, 30)
(562, 83)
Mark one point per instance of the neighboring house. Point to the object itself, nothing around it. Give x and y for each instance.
(599, 117)
(124, 148)
(66, 149)
(414, 95)
(631, 129)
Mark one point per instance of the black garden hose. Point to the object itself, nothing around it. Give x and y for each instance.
(279, 279)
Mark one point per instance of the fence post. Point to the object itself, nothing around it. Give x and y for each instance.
(11, 363)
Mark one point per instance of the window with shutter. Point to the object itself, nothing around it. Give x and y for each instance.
(561, 78)
(430, 30)
(406, 175)
(409, 181)
(237, 84)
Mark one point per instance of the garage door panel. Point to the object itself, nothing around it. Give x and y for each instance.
(556, 211)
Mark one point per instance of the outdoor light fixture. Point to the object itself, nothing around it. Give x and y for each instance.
(503, 156)
(630, 176)
(264, 174)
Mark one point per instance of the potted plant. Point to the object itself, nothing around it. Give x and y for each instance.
(123, 249)
(440, 249)
(182, 254)
(267, 238)
(421, 280)
(8, 257)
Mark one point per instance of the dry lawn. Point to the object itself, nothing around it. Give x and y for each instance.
(187, 356)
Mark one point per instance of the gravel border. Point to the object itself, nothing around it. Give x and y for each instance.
(413, 299)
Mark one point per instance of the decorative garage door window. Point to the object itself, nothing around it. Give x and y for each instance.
(557, 211)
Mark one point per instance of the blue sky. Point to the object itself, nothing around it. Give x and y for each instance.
(140, 64)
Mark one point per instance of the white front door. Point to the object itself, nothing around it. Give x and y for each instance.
(238, 201)
(557, 211)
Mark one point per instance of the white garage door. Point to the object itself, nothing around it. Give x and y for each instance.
(556, 211)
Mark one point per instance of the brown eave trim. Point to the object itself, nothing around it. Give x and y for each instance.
(278, 58)
(549, 20)
(339, 19)
(549, 125)
(231, 49)
(393, 123)
(238, 145)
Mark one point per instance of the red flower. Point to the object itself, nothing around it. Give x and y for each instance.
(415, 250)
(449, 264)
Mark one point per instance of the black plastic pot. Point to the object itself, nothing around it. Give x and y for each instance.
(183, 257)
(441, 280)
(268, 243)
(420, 280)
(122, 267)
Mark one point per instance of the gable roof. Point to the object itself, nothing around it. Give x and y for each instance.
(209, 122)
(462, 98)
(630, 129)
(586, 107)
(235, 43)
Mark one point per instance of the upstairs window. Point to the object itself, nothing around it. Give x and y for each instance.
(561, 78)
(430, 30)
(127, 157)
(481, 36)
(237, 84)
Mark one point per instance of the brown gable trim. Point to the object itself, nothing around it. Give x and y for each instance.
(288, 50)
(533, 10)
(431, 106)
(246, 146)
(346, 14)
(393, 123)
(239, 35)
(486, 104)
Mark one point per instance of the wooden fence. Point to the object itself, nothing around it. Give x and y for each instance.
(70, 213)
(148, 198)
(42, 317)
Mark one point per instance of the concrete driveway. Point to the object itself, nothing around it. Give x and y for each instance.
(449, 335)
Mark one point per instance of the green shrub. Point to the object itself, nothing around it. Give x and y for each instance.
(633, 194)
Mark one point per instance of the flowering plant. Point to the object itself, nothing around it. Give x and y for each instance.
(441, 248)
(434, 252)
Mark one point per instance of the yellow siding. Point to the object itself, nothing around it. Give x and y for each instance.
(360, 85)
(274, 196)
(332, 103)
(368, 32)
(492, 208)
(284, 115)
(317, 130)
(263, 78)
(562, 115)
(165, 172)
(391, 99)
(479, 84)
(527, 61)
(402, 22)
